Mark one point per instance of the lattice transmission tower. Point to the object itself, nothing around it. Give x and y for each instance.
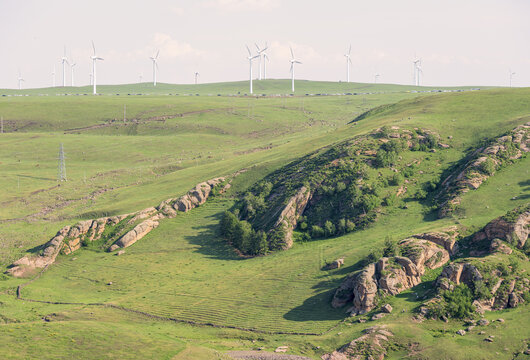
(61, 174)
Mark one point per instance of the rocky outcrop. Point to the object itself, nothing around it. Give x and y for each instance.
(71, 238)
(288, 218)
(390, 275)
(512, 228)
(484, 163)
(502, 292)
(372, 345)
(446, 239)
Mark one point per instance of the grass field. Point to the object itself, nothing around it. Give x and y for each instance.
(184, 270)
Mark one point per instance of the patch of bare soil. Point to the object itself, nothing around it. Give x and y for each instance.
(263, 355)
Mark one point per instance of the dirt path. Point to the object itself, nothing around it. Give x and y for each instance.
(264, 355)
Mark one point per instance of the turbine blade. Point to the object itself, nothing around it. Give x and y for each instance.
(158, 52)
(257, 47)
(249, 53)
(94, 47)
(298, 62)
(292, 54)
(349, 51)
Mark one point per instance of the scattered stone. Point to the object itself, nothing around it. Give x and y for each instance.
(481, 332)
(500, 320)
(121, 252)
(527, 352)
(470, 327)
(461, 332)
(378, 316)
(489, 339)
(109, 283)
(483, 322)
(387, 308)
(335, 264)
(361, 321)
(281, 349)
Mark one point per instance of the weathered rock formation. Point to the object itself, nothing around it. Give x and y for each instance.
(130, 228)
(288, 218)
(503, 292)
(512, 228)
(484, 163)
(373, 345)
(391, 275)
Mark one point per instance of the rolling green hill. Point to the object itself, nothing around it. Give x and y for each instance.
(182, 292)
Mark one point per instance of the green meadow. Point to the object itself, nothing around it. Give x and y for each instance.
(182, 292)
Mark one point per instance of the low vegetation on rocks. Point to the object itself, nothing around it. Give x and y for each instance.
(330, 192)
(481, 164)
(114, 232)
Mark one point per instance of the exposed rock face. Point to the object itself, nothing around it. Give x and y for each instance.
(514, 231)
(509, 295)
(71, 238)
(288, 218)
(372, 345)
(335, 264)
(390, 275)
(446, 239)
(474, 173)
(456, 274)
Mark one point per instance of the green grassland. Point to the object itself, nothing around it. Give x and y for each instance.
(269, 87)
(184, 271)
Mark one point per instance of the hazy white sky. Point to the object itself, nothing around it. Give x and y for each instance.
(460, 42)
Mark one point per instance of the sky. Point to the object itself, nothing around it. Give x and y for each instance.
(460, 42)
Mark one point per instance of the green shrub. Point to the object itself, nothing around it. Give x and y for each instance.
(420, 194)
(408, 171)
(350, 226)
(317, 232)
(459, 302)
(488, 166)
(396, 179)
(390, 248)
(329, 228)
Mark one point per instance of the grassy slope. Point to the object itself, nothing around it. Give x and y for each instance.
(183, 270)
(242, 87)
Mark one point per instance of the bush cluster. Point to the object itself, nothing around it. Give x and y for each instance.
(242, 236)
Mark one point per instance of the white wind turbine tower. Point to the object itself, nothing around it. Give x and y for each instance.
(72, 71)
(155, 66)
(250, 58)
(94, 58)
(376, 77)
(20, 79)
(348, 62)
(265, 60)
(293, 61)
(196, 76)
(418, 71)
(415, 64)
(64, 60)
(511, 76)
(260, 55)
(141, 76)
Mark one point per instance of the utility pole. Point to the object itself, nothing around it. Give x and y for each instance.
(124, 111)
(61, 176)
(1, 124)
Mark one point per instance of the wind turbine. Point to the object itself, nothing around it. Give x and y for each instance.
(419, 70)
(511, 76)
(415, 64)
(348, 62)
(293, 61)
(265, 60)
(20, 79)
(141, 76)
(196, 75)
(376, 77)
(72, 70)
(53, 75)
(155, 66)
(260, 51)
(94, 58)
(250, 58)
(64, 60)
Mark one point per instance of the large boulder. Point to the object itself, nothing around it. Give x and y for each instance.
(372, 345)
(390, 275)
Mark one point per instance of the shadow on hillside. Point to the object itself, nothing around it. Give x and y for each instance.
(419, 293)
(210, 242)
(36, 177)
(316, 308)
